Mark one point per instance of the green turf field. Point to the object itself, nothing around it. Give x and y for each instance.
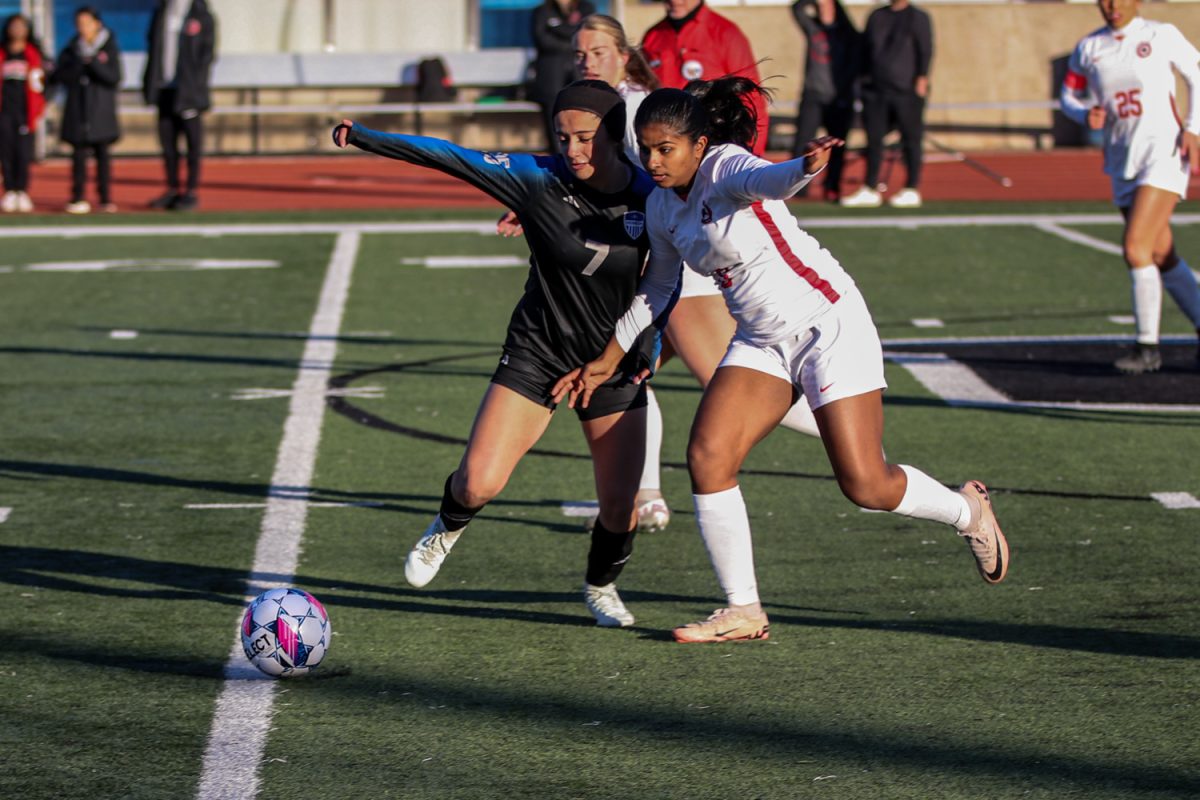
(143, 412)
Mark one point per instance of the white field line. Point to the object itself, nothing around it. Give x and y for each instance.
(1086, 338)
(1054, 229)
(1176, 501)
(489, 228)
(240, 506)
(4, 512)
(466, 262)
(581, 508)
(242, 717)
(151, 265)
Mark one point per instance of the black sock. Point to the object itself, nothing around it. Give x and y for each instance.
(454, 514)
(608, 555)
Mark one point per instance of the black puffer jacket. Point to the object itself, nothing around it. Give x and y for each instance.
(196, 50)
(90, 115)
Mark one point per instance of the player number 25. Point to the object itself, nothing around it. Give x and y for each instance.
(1129, 104)
(601, 249)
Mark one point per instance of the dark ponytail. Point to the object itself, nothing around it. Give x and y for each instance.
(721, 109)
(729, 103)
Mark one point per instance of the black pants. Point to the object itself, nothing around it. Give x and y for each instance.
(833, 115)
(79, 160)
(171, 126)
(883, 108)
(16, 153)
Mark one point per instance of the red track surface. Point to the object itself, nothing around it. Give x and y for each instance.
(357, 182)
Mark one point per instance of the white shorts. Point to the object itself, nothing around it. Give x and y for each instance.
(1165, 173)
(839, 357)
(696, 285)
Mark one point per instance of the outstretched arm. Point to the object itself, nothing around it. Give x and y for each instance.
(506, 177)
(749, 178)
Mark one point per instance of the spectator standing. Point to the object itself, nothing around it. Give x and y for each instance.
(899, 50)
(693, 42)
(830, 70)
(22, 101)
(179, 58)
(554, 25)
(89, 68)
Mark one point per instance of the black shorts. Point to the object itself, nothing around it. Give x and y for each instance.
(531, 378)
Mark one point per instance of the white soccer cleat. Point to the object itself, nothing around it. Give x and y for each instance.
(79, 207)
(24, 203)
(427, 555)
(653, 515)
(8, 203)
(865, 197)
(905, 198)
(606, 606)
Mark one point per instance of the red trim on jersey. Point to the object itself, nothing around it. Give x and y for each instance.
(799, 267)
(1075, 82)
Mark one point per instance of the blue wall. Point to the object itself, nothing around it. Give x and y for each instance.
(127, 19)
(508, 23)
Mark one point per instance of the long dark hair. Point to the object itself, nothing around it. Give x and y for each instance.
(31, 40)
(720, 109)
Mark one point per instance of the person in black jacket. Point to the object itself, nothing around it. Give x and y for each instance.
(554, 25)
(899, 49)
(830, 70)
(90, 70)
(179, 60)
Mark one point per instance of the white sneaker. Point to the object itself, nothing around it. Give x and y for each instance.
(905, 198)
(24, 203)
(79, 207)
(865, 197)
(8, 203)
(427, 555)
(653, 515)
(606, 606)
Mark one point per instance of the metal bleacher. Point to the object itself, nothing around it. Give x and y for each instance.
(492, 76)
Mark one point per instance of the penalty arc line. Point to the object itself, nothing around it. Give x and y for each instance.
(237, 738)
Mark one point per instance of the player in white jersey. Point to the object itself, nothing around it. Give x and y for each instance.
(1120, 80)
(700, 327)
(802, 328)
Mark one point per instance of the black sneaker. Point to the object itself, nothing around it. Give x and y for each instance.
(164, 202)
(1143, 358)
(185, 202)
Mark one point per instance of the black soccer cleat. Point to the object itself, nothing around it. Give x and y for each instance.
(1143, 358)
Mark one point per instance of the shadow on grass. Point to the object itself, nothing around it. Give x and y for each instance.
(87, 572)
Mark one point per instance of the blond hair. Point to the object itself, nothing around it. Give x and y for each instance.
(637, 70)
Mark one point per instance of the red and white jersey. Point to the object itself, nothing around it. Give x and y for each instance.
(734, 227)
(1128, 73)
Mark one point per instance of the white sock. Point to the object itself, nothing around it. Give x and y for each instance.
(925, 498)
(800, 418)
(1147, 302)
(651, 480)
(1180, 282)
(725, 529)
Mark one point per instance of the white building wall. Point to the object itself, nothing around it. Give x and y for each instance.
(359, 26)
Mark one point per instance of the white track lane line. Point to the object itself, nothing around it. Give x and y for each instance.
(489, 228)
(238, 736)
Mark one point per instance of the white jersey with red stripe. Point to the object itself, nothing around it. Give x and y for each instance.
(1128, 73)
(734, 227)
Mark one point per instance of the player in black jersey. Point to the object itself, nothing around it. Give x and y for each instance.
(583, 211)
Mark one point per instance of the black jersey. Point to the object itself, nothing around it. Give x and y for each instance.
(587, 247)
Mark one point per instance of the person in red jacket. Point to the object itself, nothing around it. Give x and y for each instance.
(22, 101)
(695, 43)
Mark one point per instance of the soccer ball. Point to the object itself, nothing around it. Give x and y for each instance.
(286, 632)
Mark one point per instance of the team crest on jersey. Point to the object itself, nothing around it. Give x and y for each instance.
(499, 159)
(1143, 50)
(706, 216)
(692, 70)
(635, 223)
